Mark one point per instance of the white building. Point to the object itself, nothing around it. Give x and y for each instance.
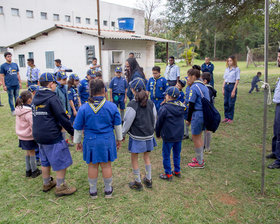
(75, 46)
(20, 19)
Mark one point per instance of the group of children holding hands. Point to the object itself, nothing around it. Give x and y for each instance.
(82, 109)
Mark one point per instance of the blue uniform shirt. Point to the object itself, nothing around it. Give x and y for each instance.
(231, 75)
(181, 97)
(255, 80)
(73, 95)
(207, 68)
(276, 97)
(84, 90)
(118, 85)
(97, 118)
(33, 74)
(10, 74)
(157, 87)
(195, 95)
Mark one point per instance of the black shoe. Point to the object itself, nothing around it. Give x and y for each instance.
(176, 174)
(1, 105)
(38, 163)
(186, 137)
(136, 186)
(165, 177)
(36, 173)
(148, 183)
(28, 173)
(271, 156)
(93, 195)
(273, 166)
(109, 194)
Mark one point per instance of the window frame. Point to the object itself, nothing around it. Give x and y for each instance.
(21, 61)
(78, 19)
(44, 14)
(67, 17)
(49, 60)
(105, 22)
(1, 10)
(55, 17)
(87, 20)
(32, 14)
(15, 10)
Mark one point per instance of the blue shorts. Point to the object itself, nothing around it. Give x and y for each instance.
(137, 146)
(118, 99)
(56, 155)
(197, 123)
(27, 145)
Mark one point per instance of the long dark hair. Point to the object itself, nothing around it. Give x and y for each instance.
(70, 83)
(142, 97)
(23, 98)
(96, 87)
(134, 67)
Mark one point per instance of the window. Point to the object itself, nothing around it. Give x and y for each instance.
(78, 19)
(67, 18)
(55, 17)
(1, 10)
(29, 14)
(44, 15)
(113, 24)
(87, 20)
(15, 12)
(30, 55)
(90, 54)
(96, 22)
(105, 22)
(49, 59)
(21, 60)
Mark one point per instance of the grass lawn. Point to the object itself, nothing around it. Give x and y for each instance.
(226, 191)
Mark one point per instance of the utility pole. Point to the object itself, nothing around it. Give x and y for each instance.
(99, 32)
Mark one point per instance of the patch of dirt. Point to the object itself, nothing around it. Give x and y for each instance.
(233, 213)
(228, 199)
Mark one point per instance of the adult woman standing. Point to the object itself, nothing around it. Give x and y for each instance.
(231, 81)
(133, 70)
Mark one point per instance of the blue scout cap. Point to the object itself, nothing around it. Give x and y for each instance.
(61, 75)
(137, 84)
(33, 88)
(47, 77)
(74, 76)
(182, 82)
(172, 91)
(90, 72)
(118, 69)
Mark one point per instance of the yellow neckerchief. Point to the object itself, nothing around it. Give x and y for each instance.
(98, 107)
(198, 81)
(155, 83)
(177, 103)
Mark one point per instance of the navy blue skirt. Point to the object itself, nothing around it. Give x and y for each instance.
(99, 148)
(28, 145)
(137, 146)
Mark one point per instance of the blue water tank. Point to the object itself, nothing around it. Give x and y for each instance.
(126, 23)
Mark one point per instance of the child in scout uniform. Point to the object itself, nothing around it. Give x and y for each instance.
(139, 123)
(206, 77)
(48, 119)
(73, 96)
(195, 115)
(157, 86)
(180, 85)
(62, 93)
(118, 90)
(24, 131)
(170, 127)
(32, 73)
(255, 81)
(83, 88)
(98, 75)
(97, 119)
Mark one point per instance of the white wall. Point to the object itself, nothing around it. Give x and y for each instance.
(67, 45)
(19, 27)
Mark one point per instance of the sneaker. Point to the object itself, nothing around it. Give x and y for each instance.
(136, 186)
(271, 156)
(229, 121)
(148, 183)
(28, 173)
(225, 120)
(64, 190)
(176, 174)
(274, 166)
(186, 137)
(167, 177)
(49, 186)
(38, 163)
(109, 194)
(93, 195)
(36, 173)
(13, 113)
(194, 160)
(196, 165)
(69, 144)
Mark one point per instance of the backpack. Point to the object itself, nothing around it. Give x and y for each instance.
(212, 117)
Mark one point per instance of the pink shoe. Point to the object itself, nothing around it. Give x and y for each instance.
(194, 160)
(196, 165)
(229, 121)
(225, 120)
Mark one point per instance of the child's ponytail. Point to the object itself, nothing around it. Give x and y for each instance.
(142, 97)
(23, 98)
